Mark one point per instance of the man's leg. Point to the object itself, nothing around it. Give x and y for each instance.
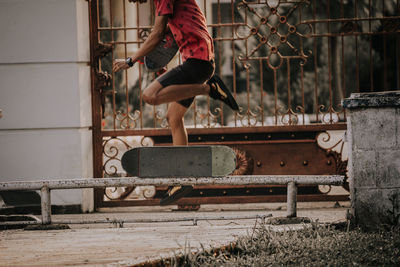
(179, 138)
(156, 94)
(175, 120)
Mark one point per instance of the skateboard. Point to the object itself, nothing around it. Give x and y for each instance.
(179, 161)
(162, 54)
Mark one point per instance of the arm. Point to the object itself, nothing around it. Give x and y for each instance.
(155, 37)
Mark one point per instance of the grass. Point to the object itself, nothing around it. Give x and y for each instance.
(318, 245)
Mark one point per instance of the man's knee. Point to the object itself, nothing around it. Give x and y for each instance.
(150, 98)
(150, 94)
(174, 120)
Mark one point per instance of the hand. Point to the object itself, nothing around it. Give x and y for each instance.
(120, 64)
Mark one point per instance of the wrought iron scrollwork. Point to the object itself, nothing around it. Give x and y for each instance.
(349, 27)
(287, 117)
(250, 118)
(330, 116)
(127, 121)
(102, 79)
(113, 149)
(391, 25)
(334, 152)
(268, 31)
(208, 119)
(101, 50)
(144, 33)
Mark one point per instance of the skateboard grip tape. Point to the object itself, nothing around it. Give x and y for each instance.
(191, 161)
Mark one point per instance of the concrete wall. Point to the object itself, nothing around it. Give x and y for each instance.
(45, 93)
(374, 159)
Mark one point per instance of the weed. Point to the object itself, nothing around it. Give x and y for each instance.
(319, 245)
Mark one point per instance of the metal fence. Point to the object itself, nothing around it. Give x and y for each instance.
(289, 64)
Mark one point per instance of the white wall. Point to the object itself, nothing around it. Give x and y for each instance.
(45, 93)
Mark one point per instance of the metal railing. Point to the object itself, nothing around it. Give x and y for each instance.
(290, 180)
(287, 62)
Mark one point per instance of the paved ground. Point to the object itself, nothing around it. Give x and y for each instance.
(105, 244)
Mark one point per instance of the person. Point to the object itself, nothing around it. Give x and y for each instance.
(195, 76)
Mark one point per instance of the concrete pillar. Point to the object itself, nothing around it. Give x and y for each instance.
(45, 94)
(374, 158)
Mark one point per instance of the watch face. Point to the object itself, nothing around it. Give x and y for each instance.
(129, 61)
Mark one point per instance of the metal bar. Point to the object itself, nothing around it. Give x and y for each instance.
(255, 142)
(96, 97)
(161, 220)
(233, 58)
(328, 28)
(303, 103)
(315, 53)
(355, 34)
(371, 67)
(357, 57)
(289, 91)
(138, 39)
(275, 97)
(261, 91)
(248, 96)
(311, 35)
(343, 71)
(126, 71)
(385, 56)
(398, 50)
(136, 181)
(114, 28)
(301, 78)
(114, 107)
(45, 204)
(353, 19)
(205, 8)
(291, 200)
(220, 44)
(233, 130)
(238, 24)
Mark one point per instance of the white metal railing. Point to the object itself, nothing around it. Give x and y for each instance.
(290, 180)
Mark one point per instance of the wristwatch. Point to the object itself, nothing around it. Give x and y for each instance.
(129, 61)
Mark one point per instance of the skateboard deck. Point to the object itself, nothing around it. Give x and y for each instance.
(162, 54)
(179, 161)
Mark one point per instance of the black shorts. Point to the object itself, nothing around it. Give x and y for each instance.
(192, 71)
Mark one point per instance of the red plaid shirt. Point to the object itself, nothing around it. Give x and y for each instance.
(188, 25)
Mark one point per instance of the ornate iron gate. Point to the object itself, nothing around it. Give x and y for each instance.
(289, 64)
